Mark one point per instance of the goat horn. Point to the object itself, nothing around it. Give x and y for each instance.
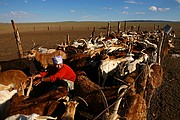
(80, 98)
(64, 98)
(46, 117)
(122, 87)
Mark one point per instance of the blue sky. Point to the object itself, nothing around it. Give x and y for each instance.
(88, 10)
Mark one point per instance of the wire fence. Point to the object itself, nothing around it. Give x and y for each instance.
(33, 27)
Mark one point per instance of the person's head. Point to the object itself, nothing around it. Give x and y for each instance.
(58, 61)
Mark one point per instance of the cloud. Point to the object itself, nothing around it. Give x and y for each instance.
(72, 11)
(19, 14)
(26, 1)
(126, 7)
(107, 8)
(43, 0)
(154, 8)
(178, 1)
(140, 13)
(133, 2)
(163, 9)
(86, 17)
(124, 12)
(16, 14)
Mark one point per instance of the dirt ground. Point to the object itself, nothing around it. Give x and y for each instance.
(165, 104)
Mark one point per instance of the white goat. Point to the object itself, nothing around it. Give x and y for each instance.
(30, 117)
(5, 96)
(108, 66)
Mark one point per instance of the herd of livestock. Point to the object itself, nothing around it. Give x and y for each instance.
(117, 76)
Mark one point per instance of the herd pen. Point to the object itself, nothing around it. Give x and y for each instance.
(120, 68)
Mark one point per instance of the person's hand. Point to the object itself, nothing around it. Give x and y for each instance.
(36, 76)
(37, 82)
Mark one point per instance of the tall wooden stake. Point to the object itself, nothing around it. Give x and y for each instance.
(67, 39)
(108, 29)
(119, 27)
(124, 26)
(18, 41)
(93, 33)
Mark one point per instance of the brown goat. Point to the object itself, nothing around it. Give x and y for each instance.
(70, 110)
(154, 81)
(136, 108)
(45, 59)
(43, 105)
(16, 77)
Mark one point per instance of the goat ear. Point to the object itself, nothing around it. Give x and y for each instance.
(65, 103)
(76, 103)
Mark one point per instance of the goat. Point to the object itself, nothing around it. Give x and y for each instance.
(43, 105)
(16, 77)
(45, 50)
(6, 93)
(45, 59)
(30, 117)
(70, 106)
(89, 91)
(70, 110)
(108, 66)
(154, 81)
(22, 64)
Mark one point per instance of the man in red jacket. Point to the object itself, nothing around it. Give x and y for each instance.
(58, 73)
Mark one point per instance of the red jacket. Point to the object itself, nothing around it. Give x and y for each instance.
(64, 73)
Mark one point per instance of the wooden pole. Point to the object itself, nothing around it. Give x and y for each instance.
(138, 28)
(132, 28)
(18, 40)
(67, 39)
(108, 29)
(160, 44)
(93, 33)
(119, 27)
(124, 26)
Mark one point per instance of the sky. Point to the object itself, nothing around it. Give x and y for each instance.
(28, 11)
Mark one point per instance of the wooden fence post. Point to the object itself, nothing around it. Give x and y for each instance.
(124, 26)
(132, 28)
(119, 27)
(67, 39)
(18, 41)
(108, 29)
(138, 28)
(93, 33)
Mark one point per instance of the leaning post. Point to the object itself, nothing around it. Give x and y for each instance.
(18, 40)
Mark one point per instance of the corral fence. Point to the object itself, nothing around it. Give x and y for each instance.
(63, 26)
